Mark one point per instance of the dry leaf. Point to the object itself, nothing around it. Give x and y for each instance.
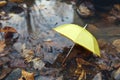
(2, 45)
(26, 75)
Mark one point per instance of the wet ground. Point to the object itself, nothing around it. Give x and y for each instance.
(34, 21)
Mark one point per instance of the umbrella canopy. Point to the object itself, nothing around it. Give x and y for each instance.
(80, 36)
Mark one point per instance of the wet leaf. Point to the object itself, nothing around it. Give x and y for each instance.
(82, 75)
(17, 1)
(26, 75)
(10, 34)
(2, 46)
(11, 38)
(2, 3)
(38, 64)
(28, 55)
(80, 61)
(8, 29)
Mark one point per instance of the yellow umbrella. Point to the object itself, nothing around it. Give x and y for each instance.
(80, 36)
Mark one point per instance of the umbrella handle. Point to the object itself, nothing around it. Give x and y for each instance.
(68, 54)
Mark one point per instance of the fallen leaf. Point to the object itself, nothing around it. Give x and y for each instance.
(17, 1)
(81, 61)
(82, 75)
(26, 75)
(8, 29)
(10, 35)
(28, 55)
(2, 45)
(2, 3)
(10, 38)
(38, 64)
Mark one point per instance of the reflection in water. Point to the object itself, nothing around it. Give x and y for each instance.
(41, 16)
(35, 25)
(48, 14)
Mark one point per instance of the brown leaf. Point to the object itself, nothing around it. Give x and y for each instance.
(81, 61)
(17, 1)
(8, 29)
(10, 35)
(2, 46)
(82, 75)
(2, 3)
(26, 75)
(28, 55)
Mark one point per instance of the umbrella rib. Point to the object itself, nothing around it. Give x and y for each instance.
(82, 30)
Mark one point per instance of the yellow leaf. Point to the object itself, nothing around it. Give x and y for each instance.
(26, 75)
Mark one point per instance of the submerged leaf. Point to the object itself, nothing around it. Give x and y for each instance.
(26, 75)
